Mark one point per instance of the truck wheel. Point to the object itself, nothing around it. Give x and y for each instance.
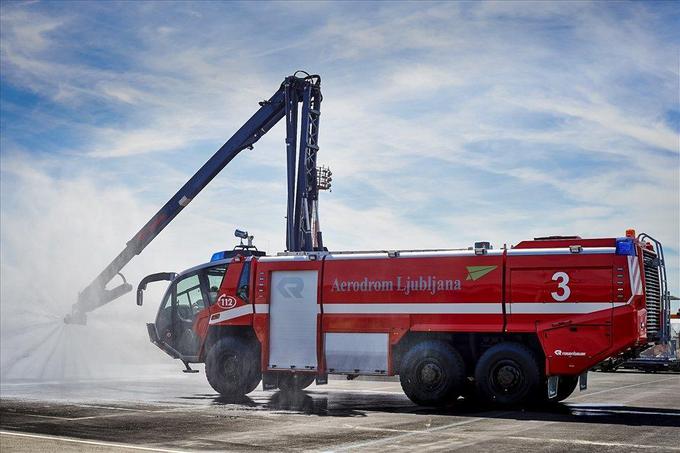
(254, 379)
(507, 374)
(233, 367)
(432, 373)
(294, 382)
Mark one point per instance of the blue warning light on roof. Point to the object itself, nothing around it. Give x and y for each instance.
(217, 256)
(625, 246)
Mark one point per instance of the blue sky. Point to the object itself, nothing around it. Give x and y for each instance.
(444, 123)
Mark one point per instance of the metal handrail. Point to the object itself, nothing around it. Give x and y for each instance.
(663, 282)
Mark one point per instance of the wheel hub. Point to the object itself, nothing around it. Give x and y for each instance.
(230, 367)
(507, 377)
(431, 374)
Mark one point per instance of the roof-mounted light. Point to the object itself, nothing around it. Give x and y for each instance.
(218, 256)
(625, 246)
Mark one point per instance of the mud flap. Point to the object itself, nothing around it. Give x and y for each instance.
(553, 382)
(583, 381)
(270, 381)
(322, 379)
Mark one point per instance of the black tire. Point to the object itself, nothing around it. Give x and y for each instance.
(233, 366)
(254, 381)
(432, 373)
(508, 374)
(295, 382)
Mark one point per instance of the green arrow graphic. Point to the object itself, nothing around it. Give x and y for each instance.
(477, 272)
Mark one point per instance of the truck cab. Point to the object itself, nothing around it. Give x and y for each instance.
(182, 321)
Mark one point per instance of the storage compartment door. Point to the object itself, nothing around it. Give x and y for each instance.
(292, 320)
(357, 353)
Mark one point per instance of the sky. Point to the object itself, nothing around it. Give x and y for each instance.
(444, 124)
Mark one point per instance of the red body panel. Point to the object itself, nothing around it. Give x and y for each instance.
(384, 294)
(582, 305)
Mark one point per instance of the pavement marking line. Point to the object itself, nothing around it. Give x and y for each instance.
(54, 417)
(71, 419)
(623, 387)
(593, 443)
(95, 406)
(92, 417)
(369, 443)
(90, 381)
(358, 391)
(617, 411)
(88, 442)
(375, 428)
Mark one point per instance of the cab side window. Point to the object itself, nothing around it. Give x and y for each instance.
(189, 297)
(164, 318)
(215, 275)
(243, 289)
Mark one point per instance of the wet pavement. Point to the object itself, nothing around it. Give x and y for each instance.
(621, 411)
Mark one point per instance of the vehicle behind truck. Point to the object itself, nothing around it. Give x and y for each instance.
(521, 324)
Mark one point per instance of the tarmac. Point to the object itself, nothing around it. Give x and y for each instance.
(622, 411)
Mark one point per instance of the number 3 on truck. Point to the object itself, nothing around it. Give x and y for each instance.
(562, 279)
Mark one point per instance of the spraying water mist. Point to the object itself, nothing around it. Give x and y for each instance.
(54, 234)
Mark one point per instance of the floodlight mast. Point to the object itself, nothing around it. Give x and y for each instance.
(301, 93)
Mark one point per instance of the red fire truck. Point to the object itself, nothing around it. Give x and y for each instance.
(521, 323)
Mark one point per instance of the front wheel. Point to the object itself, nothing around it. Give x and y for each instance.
(233, 366)
(432, 373)
(507, 374)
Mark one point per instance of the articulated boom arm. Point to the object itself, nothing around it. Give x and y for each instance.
(302, 232)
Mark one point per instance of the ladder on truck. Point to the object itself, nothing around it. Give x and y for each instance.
(298, 96)
(662, 351)
(663, 354)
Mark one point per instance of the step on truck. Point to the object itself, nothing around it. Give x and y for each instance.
(513, 325)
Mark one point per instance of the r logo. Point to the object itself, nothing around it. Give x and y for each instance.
(291, 287)
(226, 302)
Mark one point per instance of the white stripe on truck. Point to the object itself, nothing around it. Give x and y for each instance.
(522, 308)
(231, 314)
(414, 309)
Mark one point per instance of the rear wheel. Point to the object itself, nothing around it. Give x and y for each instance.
(233, 366)
(432, 373)
(507, 374)
(294, 382)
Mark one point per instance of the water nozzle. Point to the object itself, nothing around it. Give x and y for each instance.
(92, 297)
(76, 317)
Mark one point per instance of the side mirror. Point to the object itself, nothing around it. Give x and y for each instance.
(152, 278)
(140, 294)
